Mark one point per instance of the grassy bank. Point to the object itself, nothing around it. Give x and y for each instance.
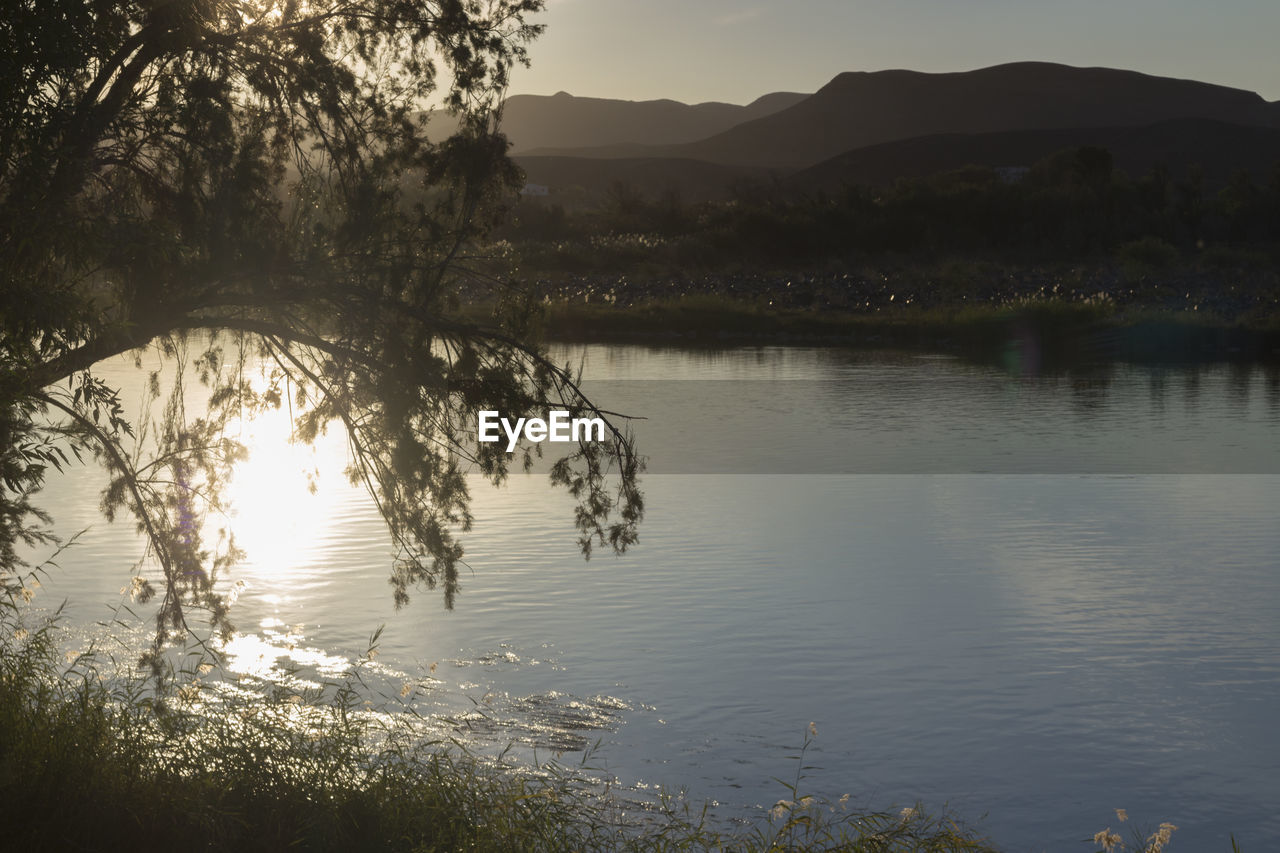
(93, 764)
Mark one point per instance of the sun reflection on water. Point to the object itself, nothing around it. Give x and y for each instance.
(284, 498)
(278, 650)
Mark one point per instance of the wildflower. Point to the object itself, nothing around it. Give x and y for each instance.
(780, 809)
(205, 668)
(805, 802)
(432, 668)
(813, 729)
(1106, 839)
(20, 634)
(406, 690)
(1122, 815)
(1160, 838)
(71, 655)
(27, 594)
(844, 802)
(906, 814)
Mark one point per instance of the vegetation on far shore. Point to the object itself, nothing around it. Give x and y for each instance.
(1054, 331)
(1071, 206)
(1153, 266)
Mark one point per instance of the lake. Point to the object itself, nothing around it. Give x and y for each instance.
(1034, 598)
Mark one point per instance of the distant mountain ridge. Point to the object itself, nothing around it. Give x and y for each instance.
(874, 127)
(1220, 149)
(534, 122)
(857, 109)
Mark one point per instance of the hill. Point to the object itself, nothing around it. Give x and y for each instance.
(562, 120)
(858, 109)
(534, 122)
(1219, 148)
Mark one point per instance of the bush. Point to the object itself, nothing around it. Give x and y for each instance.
(1140, 258)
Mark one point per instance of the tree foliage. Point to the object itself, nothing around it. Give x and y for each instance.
(1071, 205)
(260, 178)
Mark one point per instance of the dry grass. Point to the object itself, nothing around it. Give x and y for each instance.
(102, 763)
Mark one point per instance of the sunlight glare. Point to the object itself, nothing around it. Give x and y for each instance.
(284, 499)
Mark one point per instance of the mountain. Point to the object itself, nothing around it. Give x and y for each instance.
(857, 109)
(1219, 148)
(535, 122)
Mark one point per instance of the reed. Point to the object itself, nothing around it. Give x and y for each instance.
(96, 762)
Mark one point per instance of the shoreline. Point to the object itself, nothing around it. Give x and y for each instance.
(1220, 305)
(1050, 332)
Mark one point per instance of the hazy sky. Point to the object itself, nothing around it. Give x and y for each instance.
(736, 50)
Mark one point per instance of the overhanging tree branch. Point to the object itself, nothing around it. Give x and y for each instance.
(214, 169)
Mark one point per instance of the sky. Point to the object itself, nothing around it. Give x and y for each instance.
(737, 50)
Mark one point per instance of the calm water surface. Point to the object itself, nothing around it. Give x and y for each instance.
(1032, 598)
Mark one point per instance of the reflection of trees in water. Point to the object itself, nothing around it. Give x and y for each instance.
(1233, 386)
(1090, 389)
(1158, 386)
(1271, 378)
(1192, 386)
(1239, 380)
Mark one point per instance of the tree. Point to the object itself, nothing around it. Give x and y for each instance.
(257, 177)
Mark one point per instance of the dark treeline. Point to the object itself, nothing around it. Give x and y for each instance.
(1071, 206)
